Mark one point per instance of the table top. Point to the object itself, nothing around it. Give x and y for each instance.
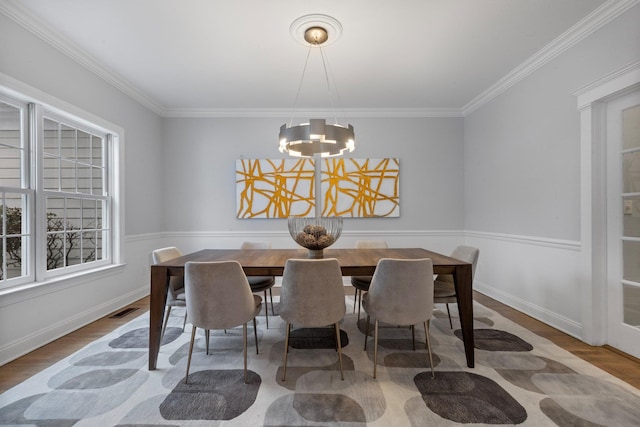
(270, 262)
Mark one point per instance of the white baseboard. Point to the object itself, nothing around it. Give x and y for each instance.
(12, 350)
(555, 320)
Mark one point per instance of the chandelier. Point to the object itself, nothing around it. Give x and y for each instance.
(316, 138)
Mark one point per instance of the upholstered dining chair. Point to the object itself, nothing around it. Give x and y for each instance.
(401, 293)
(444, 291)
(312, 296)
(219, 297)
(261, 283)
(175, 294)
(361, 283)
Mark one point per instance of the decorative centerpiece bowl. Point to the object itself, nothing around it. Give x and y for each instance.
(315, 233)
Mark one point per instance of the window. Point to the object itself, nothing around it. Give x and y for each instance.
(55, 197)
(15, 194)
(74, 178)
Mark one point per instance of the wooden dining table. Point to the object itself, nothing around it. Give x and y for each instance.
(271, 262)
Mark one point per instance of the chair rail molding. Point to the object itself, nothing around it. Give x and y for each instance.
(572, 245)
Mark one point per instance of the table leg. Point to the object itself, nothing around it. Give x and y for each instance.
(463, 283)
(159, 287)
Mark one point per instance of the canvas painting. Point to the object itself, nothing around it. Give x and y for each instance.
(360, 188)
(275, 188)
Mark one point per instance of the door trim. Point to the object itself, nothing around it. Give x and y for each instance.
(593, 226)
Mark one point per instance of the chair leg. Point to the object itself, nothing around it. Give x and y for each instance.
(193, 336)
(355, 299)
(375, 349)
(184, 322)
(339, 349)
(366, 333)
(164, 325)
(286, 350)
(413, 336)
(255, 333)
(206, 339)
(266, 309)
(359, 303)
(426, 333)
(244, 348)
(449, 313)
(273, 311)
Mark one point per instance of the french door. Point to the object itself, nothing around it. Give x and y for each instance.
(623, 222)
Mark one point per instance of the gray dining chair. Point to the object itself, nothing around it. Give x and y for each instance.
(444, 291)
(261, 283)
(219, 297)
(362, 283)
(401, 293)
(312, 296)
(175, 293)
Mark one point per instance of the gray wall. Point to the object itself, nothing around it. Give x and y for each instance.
(36, 315)
(523, 181)
(34, 62)
(200, 167)
(522, 150)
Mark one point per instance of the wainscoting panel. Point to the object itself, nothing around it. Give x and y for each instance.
(540, 277)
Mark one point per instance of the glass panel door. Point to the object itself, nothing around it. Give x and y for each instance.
(631, 231)
(623, 223)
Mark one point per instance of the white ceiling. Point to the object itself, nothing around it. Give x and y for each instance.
(190, 57)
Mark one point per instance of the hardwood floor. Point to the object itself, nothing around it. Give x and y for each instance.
(623, 366)
(30, 364)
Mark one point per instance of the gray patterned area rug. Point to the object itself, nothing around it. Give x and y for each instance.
(519, 379)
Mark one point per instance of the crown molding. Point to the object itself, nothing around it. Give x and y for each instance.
(305, 114)
(587, 26)
(40, 29)
(619, 80)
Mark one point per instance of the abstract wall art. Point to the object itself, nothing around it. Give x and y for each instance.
(275, 188)
(360, 188)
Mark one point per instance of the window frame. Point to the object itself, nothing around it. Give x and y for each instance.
(40, 114)
(39, 104)
(26, 189)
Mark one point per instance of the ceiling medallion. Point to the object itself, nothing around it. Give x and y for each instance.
(332, 27)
